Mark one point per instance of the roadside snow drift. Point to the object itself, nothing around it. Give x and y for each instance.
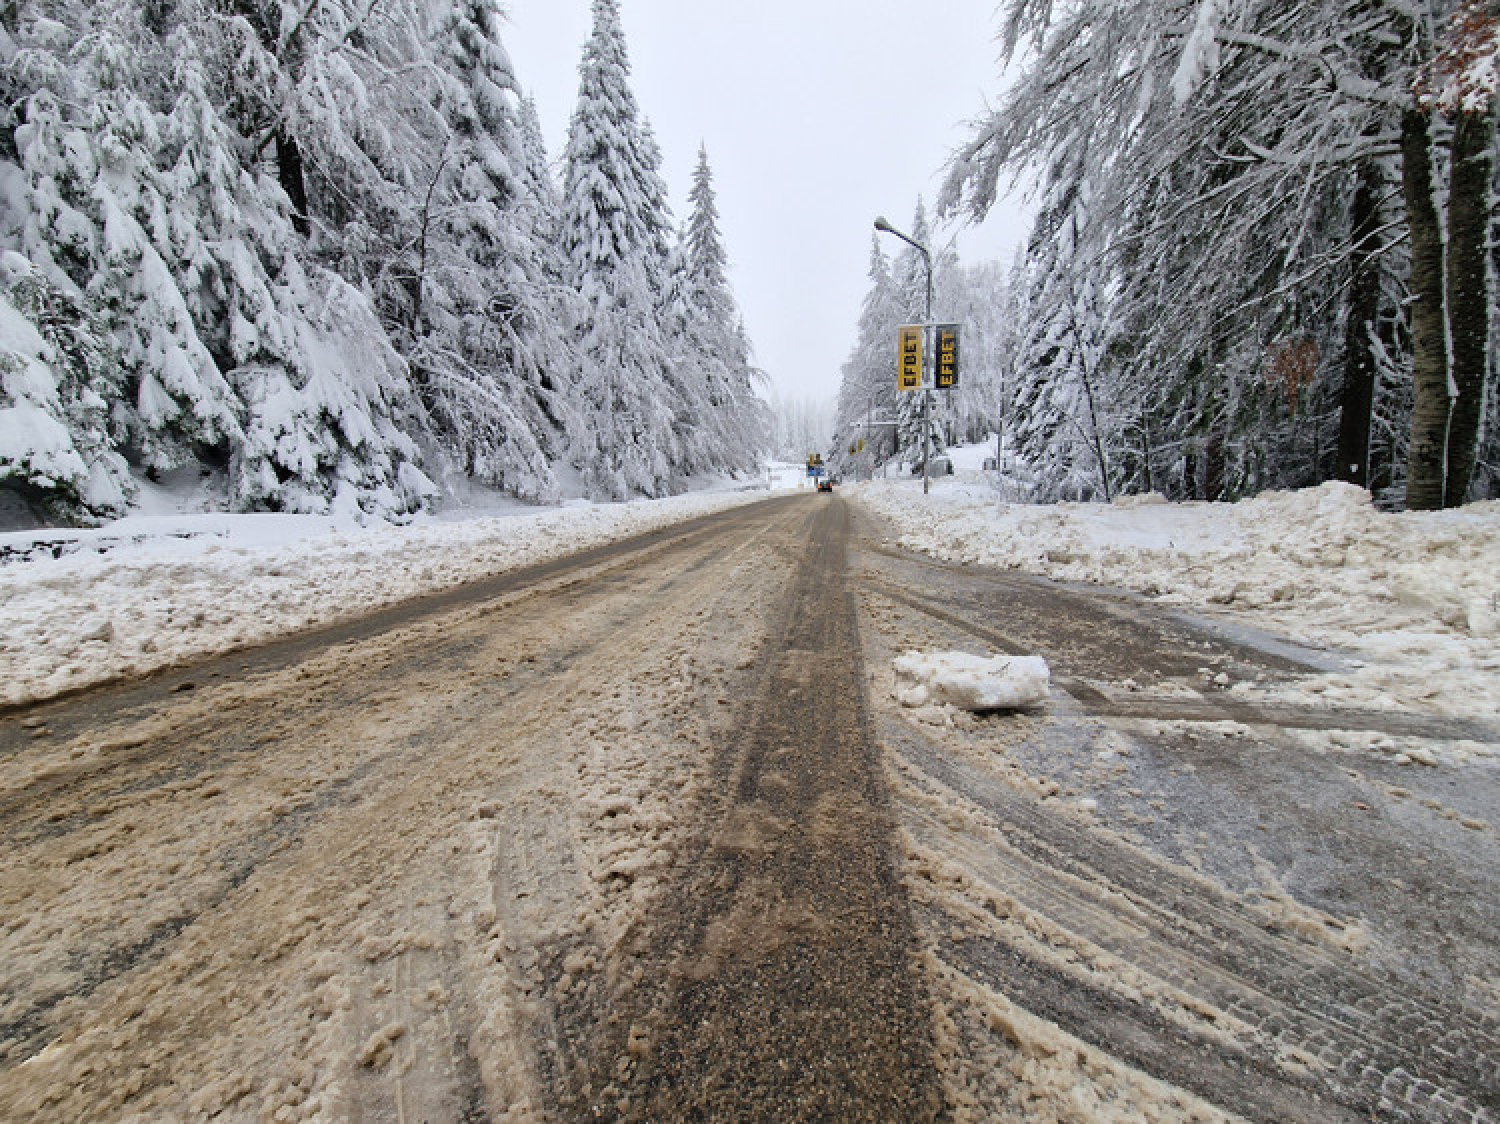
(1409, 601)
(82, 607)
(971, 682)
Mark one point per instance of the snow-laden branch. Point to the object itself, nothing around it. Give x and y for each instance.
(1340, 80)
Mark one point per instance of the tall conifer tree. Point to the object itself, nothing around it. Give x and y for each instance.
(735, 429)
(616, 235)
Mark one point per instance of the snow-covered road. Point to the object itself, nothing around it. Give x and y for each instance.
(1154, 899)
(501, 852)
(82, 607)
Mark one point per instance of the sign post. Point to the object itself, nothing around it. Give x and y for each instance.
(911, 375)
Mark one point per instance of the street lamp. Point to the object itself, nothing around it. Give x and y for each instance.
(883, 225)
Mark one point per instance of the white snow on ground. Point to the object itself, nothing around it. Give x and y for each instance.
(79, 607)
(970, 682)
(1410, 600)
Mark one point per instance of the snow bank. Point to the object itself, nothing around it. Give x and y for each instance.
(1414, 595)
(970, 682)
(82, 607)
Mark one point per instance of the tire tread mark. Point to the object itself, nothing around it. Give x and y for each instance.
(1384, 1046)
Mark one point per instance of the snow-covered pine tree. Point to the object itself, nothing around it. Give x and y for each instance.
(540, 201)
(535, 170)
(867, 387)
(483, 313)
(233, 252)
(616, 235)
(56, 460)
(325, 400)
(1061, 432)
(977, 298)
(731, 430)
(96, 221)
(58, 375)
(221, 348)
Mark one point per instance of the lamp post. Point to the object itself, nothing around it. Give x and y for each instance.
(884, 226)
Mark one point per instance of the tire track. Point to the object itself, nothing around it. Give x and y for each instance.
(784, 960)
(1309, 1030)
(286, 891)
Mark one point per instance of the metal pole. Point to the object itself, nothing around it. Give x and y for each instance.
(926, 434)
(930, 342)
(1000, 432)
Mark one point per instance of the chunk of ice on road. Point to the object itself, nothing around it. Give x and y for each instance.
(971, 682)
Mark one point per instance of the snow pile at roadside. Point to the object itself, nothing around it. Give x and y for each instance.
(970, 682)
(1416, 595)
(148, 592)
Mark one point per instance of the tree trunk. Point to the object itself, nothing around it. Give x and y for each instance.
(1215, 463)
(289, 172)
(1150, 477)
(1468, 292)
(1357, 398)
(1096, 441)
(1426, 465)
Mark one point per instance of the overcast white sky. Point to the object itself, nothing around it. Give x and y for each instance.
(818, 115)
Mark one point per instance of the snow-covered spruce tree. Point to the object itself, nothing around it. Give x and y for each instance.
(319, 412)
(483, 305)
(94, 214)
(616, 235)
(327, 408)
(730, 424)
(975, 298)
(1063, 430)
(58, 374)
(56, 460)
(540, 199)
(867, 388)
(224, 348)
(399, 126)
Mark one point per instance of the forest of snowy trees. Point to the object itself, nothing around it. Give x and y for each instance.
(1262, 257)
(975, 297)
(316, 251)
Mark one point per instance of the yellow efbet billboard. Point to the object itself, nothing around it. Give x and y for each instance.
(946, 360)
(909, 370)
